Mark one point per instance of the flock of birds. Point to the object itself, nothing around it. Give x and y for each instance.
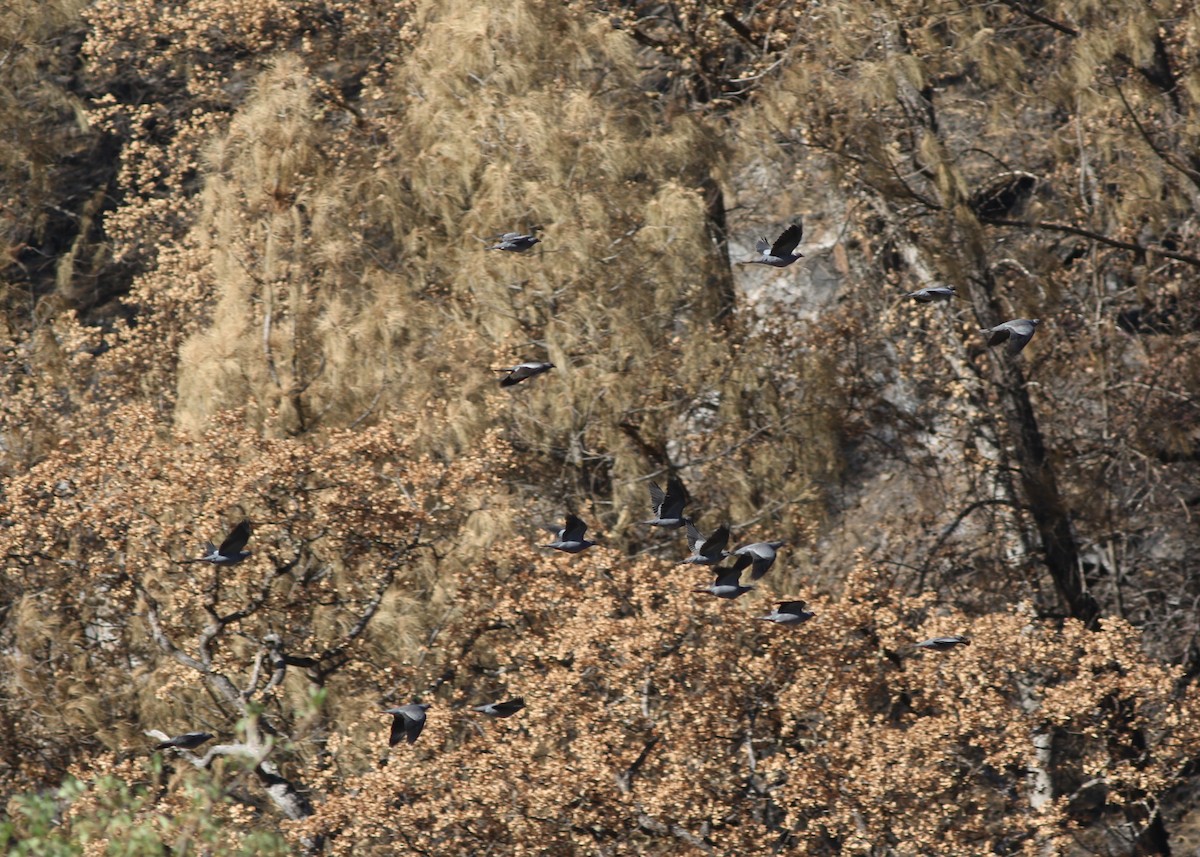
(668, 507)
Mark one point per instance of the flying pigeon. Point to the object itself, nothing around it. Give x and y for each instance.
(501, 709)
(943, 644)
(706, 551)
(931, 294)
(517, 374)
(516, 242)
(1017, 333)
(231, 550)
(570, 538)
(187, 741)
(760, 555)
(668, 507)
(407, 722)
(727, 584)
(789, 613)
(783, 252)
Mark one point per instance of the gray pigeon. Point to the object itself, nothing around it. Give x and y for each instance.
(706, 551)
(231, 550)
(516, 242)
(942, 644)
(789, 613)
(760, 555)
(517, 374)
(187, 741)
(501, 709)
(1016, 333)
(931, 294)
(570, 538)
(727, 584)
(783, 252)
(407, 722)
(668, 506)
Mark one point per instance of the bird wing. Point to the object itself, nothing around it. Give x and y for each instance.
(715, 543)
(785, 244)
(399, 729)
(744, 558)
(675, 500)
(1021, 332)
(795, 608)
(998, 334)
(413, 726)
(657, 498)
(508, 709)
(694, 538)
(728, 576)
(236, 540)
(762, 245)
(574, 530)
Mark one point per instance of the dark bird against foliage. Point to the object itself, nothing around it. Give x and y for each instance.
(942, 644)
(570, 538)
(187, 741)
(516, 242)
(231, 550)
(1016, 333)
(788, 613)
(931, 294)
(501, 709)
(727, 584)
(783, 252)
(407, 722)
(706, 551)
(517, 374)
(760, 555)
(668, 506)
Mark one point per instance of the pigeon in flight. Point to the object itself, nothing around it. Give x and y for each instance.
(789, 613)
(668, 506)
(931, 294)
(407, 722)
(727, 584)
(231, 550)
(570, 538)
(516, 242)
(706, 551)
(1016, 333)
(783, 252)
(501, 709)
(943, 644)
(760, 556)
(517, 374)
(187, 741)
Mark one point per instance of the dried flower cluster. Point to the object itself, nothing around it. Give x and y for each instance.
(247, 280)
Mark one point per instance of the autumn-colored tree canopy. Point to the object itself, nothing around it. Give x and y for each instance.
(258, 478)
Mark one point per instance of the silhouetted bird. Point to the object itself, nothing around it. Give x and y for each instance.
(501, 709)
(727, 584)
(782, 252)
(407, 722)
(570, 538)
(941, 644)
(231, 550)
(788, 613)
(760, 555)
(706, 551)
(668, 507)
(516, 242)
(1016, 333)
(187, 741)
(517, 374)
(931, 294)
